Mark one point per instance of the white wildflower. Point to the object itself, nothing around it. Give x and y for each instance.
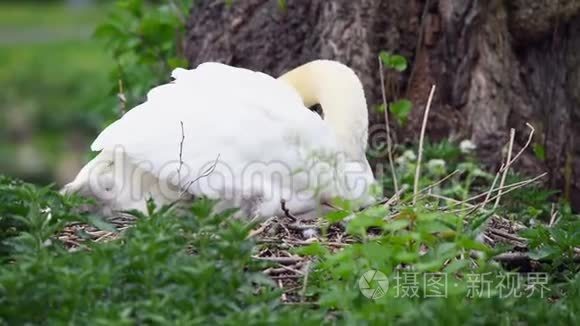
(436, 166)
(408, 156)
(467, 146)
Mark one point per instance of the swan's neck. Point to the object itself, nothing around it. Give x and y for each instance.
(340, 94)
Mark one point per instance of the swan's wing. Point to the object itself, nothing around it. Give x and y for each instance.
(251, 121)
(211, 91)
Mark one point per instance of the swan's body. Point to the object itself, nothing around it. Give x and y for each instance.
(238, 136)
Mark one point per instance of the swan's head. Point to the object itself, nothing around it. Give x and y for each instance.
(339, 92)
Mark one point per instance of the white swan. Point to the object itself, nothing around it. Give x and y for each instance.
(238, 136)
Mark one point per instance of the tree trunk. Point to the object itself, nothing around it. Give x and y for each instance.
(497, 64)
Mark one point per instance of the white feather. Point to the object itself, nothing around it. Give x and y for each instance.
(251, 131)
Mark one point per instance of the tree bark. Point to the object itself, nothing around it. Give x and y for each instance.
(497, 64)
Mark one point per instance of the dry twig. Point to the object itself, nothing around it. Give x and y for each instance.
(530, 137)
(206, 173)
(286, 210)
(281, 260)
(491, 189)
(518, 257)
(510, 186)
(507, 166)
(388, 129)
(438, 182)
(421, 140)
(553, 215)
(260, 229)
(519, 186)
(180, 152)
(122, 98)
(395, 197)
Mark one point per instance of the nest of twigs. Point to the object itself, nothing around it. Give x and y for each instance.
(278, 237)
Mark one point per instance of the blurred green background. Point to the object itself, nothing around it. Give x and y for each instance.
(54, 85)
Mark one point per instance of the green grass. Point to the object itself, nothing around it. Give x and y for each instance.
(54, 85)
(16, 15)
(195, 266)
(51, 92)
(55, 60)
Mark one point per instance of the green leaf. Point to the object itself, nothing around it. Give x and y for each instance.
(430, 265)
(135, 7)
(393, 61)
(108, 31)
(478, 221)
(545, 252)
(396, 225)
(337, 216)
(539, 151)
(342, 203)
(202, 208)
(456, 265)
(362, 222)
(401, 110)
(385, 58)
(467, 243)
(398, 62)
(98, 222)
(561, 237)
(407, 257)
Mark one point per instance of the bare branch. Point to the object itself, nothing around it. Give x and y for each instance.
(530, 137)
(180, 153)
(438, 182)
(553, 215)
(389, 140)
(396, 196)
(519, 257)
(122, 99)
(486, 200)
(286, 210)
(281, 286)
(515, 184)
(206, 173)
(509, 188)
(507, 166)
(421, 140)
(281, 260)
